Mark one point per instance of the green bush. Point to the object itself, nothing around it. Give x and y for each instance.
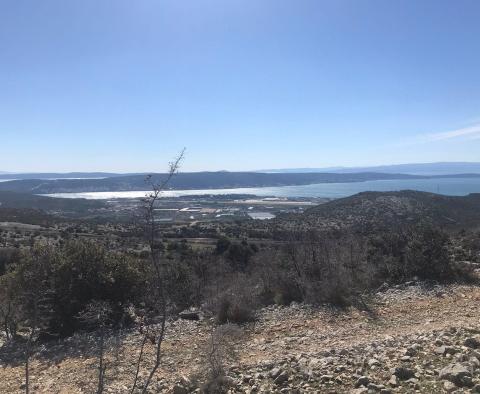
(7, 257)
(418, 251)
(74, 275)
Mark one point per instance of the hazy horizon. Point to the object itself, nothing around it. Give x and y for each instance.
(454, 166)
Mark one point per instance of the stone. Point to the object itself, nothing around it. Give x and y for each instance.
(474, 362)
(375, 387)
(373, 362)
(190, 315)
(361, 390)
(450, 350)
(403, 373)
(362, 381)
(440, 350)
(449, 386)
(393, 381)
(472, 342)
(274, 373)
(445, 350)
(411, 351)
(457, 373)
(281, 378)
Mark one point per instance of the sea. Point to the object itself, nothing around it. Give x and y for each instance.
(446, 186)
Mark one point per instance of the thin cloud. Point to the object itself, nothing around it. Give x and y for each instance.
(469, 133)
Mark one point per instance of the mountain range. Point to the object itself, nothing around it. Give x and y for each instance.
(440, 168)
(58, 175)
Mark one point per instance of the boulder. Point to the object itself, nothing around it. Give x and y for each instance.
(457, 373)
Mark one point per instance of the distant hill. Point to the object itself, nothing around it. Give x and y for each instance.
(390, 209)
(441, 168)
(27, 216)
(18, 201)
(57, 175)
(189, 181)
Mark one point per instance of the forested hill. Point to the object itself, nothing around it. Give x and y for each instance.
(193, 180)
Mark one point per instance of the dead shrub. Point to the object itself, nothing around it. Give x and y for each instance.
(220, 351)
(236, 303)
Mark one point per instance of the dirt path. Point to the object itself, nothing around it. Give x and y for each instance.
(316, 331)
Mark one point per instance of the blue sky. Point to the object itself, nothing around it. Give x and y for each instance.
(119, 85)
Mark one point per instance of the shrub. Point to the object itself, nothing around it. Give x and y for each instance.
(220, 350)
(74, 275)
(9, 311)
(230, 309)
(315, 268)
(7, 257)
(237, 303)
(427, 254)
(418, 251)
(239, 255)
(223, 243)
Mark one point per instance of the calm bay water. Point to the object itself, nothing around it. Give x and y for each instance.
(447, 186)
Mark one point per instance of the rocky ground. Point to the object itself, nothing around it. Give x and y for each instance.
(412, 339)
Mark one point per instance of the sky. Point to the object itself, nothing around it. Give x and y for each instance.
(121, 85)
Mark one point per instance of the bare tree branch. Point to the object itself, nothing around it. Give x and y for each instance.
(159, 299)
